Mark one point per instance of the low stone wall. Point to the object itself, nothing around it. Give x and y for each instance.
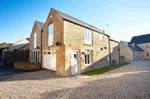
(26, 66)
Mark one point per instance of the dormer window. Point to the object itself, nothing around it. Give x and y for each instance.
(50, 36)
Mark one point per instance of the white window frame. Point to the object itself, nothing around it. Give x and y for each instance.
(35, 39)
(88, 37)
(35, 56)
(100, 37)
(90, 53)
(50, 34)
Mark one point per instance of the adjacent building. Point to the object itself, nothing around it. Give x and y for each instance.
(143, 41)
(20, 45)
(114, 52)
(131, 52)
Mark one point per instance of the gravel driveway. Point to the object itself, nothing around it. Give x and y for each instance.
(129, 82)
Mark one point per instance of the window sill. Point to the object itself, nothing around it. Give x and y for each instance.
(50, 45)
(88, 44)
(87, 64)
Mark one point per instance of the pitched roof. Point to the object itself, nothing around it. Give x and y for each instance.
(77, 21)
(28, 39)
(141, 39)
(40, 24)
(135, 48)
(26, 45)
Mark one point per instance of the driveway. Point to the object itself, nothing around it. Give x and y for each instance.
(128, 82)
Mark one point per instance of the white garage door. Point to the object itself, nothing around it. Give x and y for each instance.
(49, 61)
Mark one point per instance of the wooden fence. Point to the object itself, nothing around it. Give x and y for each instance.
(10, 57)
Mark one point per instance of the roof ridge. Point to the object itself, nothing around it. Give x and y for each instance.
(82, 22)
(39, 21)
(142, 35)
(74, 17)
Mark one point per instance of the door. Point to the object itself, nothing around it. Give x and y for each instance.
(75, 64)
(49, 61)
(137, 56)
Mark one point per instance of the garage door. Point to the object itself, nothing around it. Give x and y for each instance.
(49, 61)
(138, 56)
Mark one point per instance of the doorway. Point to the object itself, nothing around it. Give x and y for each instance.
(75, 62)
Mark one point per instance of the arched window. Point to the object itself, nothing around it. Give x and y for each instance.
(35, 37)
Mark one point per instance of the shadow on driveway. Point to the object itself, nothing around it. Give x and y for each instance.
(8, 73)
(6, 70)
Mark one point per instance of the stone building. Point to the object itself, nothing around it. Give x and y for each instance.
(143, 41)
(35, 42)
(131, 52)
(70, 46)
(115, 52)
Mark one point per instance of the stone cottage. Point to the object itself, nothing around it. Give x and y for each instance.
(70, 46)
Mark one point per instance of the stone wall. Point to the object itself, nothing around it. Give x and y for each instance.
(10, 57)
(26, 66)
(74, 40)
(36, 29)
(114, 46)
(59, 50)
(126, 52)
(146, 49)
(138, 55)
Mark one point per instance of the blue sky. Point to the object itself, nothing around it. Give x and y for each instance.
(126, 18)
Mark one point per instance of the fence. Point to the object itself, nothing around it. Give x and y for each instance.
(10, 57)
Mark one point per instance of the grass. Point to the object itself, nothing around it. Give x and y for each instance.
(104, 69)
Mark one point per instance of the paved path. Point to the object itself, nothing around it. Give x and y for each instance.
(128, 82)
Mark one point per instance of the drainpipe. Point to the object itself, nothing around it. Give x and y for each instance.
(109, 51)
(41, 49)
(119, 52)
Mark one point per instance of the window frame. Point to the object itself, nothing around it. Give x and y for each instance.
(35, 40)
(88, 57)
(100, 37)
(88, 37)
(50, 34)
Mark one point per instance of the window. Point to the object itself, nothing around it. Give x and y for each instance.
(50, 32)
(35, 36)
(88, 57)
(147, 54)
(35, 56)
(101, 37)
(88, 36)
